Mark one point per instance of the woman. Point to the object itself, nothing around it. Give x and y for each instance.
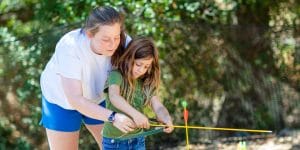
(74, 77)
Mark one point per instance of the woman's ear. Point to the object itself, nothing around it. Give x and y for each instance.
(89, 34)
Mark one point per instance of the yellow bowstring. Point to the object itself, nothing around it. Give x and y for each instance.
(213, 128)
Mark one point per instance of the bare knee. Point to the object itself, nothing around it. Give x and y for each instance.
(96, 130)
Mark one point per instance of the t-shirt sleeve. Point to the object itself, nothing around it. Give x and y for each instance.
(68, 63)
(114, 78)
(128, 40)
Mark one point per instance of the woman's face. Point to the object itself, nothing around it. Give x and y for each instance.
(141, 66)
(106, 40)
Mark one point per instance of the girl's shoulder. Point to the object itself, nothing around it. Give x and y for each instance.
(115, 72)
(115, 77)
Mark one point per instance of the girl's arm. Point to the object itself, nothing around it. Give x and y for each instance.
(162, 114)
(119, 102)
(73, 91)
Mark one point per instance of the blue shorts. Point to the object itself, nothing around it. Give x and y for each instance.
(57, 118)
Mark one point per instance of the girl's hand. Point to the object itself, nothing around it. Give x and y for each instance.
(169, 128)
(123, 123)
(141, 121)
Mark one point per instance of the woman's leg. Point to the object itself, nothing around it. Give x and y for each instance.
(62, 126)
(62, 140)
(95, 126)
(96, 130)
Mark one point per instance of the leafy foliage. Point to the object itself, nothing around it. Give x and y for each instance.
(236, 62)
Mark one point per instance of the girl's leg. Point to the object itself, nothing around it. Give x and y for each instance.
(96, 130)
(62, 140)
(139, 143)
(110, 144)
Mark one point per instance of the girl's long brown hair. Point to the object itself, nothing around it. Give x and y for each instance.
(139, 48)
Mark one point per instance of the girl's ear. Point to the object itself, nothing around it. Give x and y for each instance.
(149, 70)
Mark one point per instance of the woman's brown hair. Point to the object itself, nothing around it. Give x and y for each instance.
(106, 16)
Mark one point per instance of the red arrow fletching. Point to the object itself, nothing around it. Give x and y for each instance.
(185, 115)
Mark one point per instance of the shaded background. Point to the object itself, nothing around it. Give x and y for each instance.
(236, 62)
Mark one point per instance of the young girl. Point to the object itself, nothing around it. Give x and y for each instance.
(74, 77)
(132, 86)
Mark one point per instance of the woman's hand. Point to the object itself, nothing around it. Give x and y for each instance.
(123, 123)
(141, 121)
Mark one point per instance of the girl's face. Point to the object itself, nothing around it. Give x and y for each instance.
(141, 66)
(106, 40)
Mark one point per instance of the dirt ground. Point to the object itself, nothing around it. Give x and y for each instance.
(273, 142)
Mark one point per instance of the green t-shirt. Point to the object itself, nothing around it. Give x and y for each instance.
(116, 78)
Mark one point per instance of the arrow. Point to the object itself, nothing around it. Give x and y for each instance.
(186, 116)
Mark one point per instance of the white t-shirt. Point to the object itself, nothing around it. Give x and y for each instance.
(73, 58)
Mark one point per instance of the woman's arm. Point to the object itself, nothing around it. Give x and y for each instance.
(119, 102)
(162, 114)
(73, 91)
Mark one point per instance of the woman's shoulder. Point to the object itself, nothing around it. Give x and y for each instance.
(70, 38)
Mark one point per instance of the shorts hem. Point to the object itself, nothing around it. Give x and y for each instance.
(60, 130)
(93, 123)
